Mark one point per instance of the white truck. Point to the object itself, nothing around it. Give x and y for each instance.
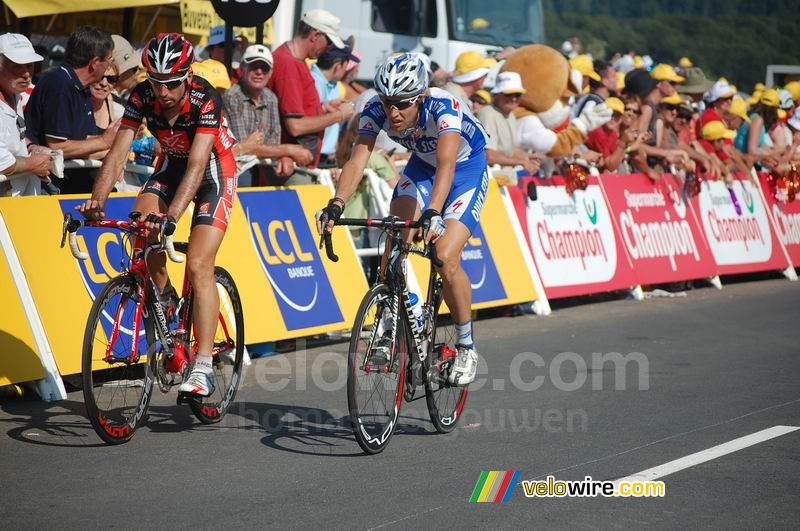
(441, 28)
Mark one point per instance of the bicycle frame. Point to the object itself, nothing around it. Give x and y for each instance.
(393, 272)
(177, 357)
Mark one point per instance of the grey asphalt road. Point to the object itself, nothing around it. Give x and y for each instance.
(711, 367)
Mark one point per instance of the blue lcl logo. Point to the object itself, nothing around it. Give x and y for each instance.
(477, 261)
(288, 255)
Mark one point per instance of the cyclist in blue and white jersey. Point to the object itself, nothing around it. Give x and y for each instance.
(444, 183)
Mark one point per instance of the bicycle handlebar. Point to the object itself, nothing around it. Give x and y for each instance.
(390, 222)
(71, 226)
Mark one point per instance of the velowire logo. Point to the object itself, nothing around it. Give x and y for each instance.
(495, 486)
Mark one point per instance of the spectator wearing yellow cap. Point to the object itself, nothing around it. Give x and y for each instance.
(479, 100)
(793, 87)
(583, 64)
(736, 116)
(715, 133)
(469, 75)
(606, 140)
(678, 133)
(667, 79)
(667, 113)
(752, 135)
(501, 125)
(718, 99)
(252, 112)
(599, 89)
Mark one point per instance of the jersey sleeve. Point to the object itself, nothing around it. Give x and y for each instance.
(134, 109)
(210, 115)
(372, 118)
(447, 113)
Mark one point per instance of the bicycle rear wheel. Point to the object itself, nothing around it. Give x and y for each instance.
(375, 382)
(116, 388)
(228, 351)
(445, 401)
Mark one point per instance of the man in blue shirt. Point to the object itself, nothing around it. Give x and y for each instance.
(328, 71)
(59, 113)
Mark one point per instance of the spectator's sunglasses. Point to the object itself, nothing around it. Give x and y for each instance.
(400, 105)
(169, 83)
(111, 79)
(671, 107)
(633, 111)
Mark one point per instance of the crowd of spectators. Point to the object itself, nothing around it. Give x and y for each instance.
(298, 105)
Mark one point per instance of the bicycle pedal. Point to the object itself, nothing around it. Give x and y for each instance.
(189, 398)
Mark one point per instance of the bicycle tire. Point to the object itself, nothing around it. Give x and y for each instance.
(227, 369)
(445, 401)
(117, 377)
(372, 437)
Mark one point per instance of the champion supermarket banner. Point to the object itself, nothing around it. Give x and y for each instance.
(659, 229)
(785, 217)
(287, 290)
(574, 241)
(737, 227)
(492, 259)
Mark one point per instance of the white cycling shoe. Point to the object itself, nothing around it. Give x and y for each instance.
(200, 383)
(465, 366)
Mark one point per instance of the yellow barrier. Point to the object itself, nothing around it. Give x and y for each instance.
(492, 259)
(18, 348)
(269, 249)
(288, 289)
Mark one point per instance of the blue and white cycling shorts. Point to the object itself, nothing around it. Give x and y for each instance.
(465, 201)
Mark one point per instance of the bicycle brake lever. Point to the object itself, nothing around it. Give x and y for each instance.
(432, 253)
(67, 220)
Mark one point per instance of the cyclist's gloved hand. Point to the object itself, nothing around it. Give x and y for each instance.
(169, 225)
(432, 225)
(166, 225)
(328, 215)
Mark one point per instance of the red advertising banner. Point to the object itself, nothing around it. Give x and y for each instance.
(573, 240)
(659, 230)
(786, 217)
(737, 228)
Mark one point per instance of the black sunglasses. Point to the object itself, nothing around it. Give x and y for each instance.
(634, 111)
(112, 79)
(670, 107)
(401, 104)
(169, 83)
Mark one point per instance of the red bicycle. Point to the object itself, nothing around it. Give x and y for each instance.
(133, 341)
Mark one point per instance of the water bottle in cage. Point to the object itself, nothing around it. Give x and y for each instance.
(417, 312)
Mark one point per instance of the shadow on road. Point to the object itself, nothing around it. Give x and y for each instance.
(64, 423)
(308, 430)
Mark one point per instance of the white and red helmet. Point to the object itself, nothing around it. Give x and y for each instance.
(168, 53)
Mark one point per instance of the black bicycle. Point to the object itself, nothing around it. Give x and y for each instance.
(392, 351)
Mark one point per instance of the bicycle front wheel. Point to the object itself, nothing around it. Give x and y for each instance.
(445, 401)
(117, 384)
(376, 371)
(227, 354)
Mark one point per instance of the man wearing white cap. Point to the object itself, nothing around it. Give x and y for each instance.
(252, 111)
(18, 169)
(501, 124)
(469, 75)
(303, 116)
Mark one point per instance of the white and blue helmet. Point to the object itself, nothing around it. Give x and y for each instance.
(402, 76)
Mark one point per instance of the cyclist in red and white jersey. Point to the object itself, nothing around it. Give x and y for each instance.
(184, 113)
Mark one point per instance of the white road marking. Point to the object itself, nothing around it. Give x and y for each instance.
(709, 454)
(664, 439)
